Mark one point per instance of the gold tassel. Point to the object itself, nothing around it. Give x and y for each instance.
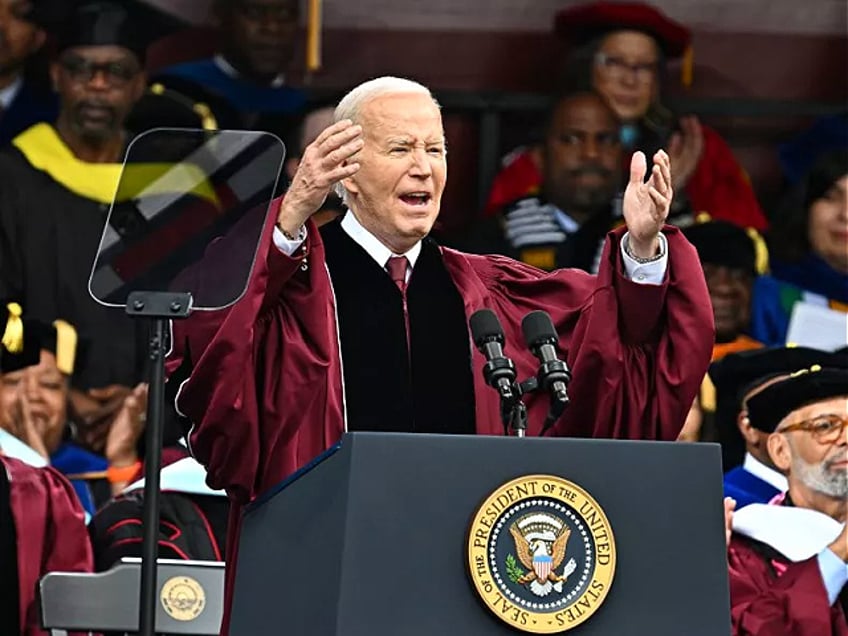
(13, 335)
(708, 395)
(313, 36)
(687, 69)
(761, 255)
(66, 346)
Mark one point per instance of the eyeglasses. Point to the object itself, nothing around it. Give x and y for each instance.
(617, 69)
(83, 71)
(825, 429)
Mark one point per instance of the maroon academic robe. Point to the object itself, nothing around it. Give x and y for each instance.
(772, 596)
(50, 530)
(637, 353)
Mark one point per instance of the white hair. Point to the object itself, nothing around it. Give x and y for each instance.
(350, 106)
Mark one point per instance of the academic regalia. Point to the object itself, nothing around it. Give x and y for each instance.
(41, 530)
(637, 354)
(776, 585)
(30, 106)
(53, 208)
(193, 519)
(540, 234)
(238, 103)
(738, 375)
(747, 488)
(719, 185)
(811, 280)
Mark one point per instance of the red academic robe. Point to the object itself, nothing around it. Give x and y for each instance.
(719, 185)
(637, 353)
(772, 596)
(50, 529)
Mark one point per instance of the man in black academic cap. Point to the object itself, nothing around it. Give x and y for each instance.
(58, 183)
(737, 378)
(788, 560)
(245, 82)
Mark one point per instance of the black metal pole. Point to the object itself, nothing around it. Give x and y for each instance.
(152, 464)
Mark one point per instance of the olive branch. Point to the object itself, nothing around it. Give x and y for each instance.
(512, 570)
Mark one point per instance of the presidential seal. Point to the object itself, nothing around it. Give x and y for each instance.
(541, 554)
(183, 598)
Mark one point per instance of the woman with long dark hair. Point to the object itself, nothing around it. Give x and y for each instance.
(808, 244)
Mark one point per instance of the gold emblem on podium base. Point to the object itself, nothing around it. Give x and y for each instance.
(183, 598)
(541, 554)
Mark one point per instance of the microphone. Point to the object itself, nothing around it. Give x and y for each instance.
(553, 376)
(488, 336)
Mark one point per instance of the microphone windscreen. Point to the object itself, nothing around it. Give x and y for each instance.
(485, 326)
(538, 328)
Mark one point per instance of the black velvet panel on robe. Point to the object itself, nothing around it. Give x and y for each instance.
(9, 597)
(383, 392)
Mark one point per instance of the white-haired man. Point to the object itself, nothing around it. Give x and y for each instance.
(789, 560)
(363, 325)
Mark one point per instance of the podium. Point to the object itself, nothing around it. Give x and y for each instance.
(376, 537)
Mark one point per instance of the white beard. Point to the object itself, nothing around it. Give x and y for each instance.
(833, 483)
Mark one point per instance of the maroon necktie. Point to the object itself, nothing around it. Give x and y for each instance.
(397, 270)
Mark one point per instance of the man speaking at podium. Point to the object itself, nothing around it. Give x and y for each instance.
(363, 325)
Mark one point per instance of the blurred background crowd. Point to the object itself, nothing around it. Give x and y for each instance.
(543, 102)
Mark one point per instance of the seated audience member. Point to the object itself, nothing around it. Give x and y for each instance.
(244, 83)
(621, 49)
(564, 225)
(34, 408)
(751, 476)
(788, 559)
(42, 526)
(193, 519)
(808, 244)
(798, 155)
(24, 100)
(731, 258)
(59, 180)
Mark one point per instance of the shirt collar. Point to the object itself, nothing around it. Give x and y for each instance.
(230, 70)
(8, 94)
(371, 244)
(768, 475)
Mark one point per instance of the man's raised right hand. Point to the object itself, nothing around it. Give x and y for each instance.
(325, 162)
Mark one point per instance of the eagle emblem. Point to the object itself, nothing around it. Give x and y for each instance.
(540, 541)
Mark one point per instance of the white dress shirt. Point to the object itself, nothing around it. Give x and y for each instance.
(651, 273)
(8, 94)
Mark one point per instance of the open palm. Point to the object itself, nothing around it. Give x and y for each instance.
(646, 204)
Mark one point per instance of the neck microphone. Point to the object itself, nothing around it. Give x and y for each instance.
(553, 376)
(488, 336)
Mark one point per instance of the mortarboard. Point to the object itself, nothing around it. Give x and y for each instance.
(25, 338)
(723, 243)
(585, 22)
(737, 374)
(804, 387)
(131, 24)
(800, 154)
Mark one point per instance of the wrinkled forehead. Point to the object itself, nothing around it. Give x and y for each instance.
(410, 115)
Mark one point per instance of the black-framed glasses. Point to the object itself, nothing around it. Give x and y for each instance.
(825, 429)
(116, 73)
(619, 69)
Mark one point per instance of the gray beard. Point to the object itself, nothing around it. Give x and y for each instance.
(817, 477)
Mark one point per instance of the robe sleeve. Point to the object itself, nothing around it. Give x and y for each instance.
(250, 374)
(50, 530)
(721, 187)
(637, 353)
(795, 603)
